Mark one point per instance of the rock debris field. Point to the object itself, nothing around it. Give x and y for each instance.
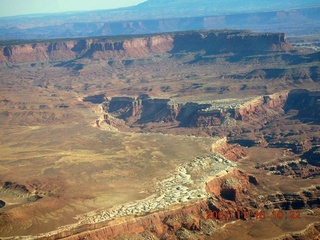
(186, 184)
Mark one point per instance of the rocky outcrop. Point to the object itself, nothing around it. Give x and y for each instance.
(64, 50)
(313, 156)
(122, 107)
(185, 185)
(113, 48)
(159, 224)
(296, 146)
(307, 198)
(231, 191)
(97, 99)
(294, 168)
(190, 218)
(301, 74)
(220, 113)
(143, 109)
(232, 152)
(260, 105)
(306, 102)
(237, 41)
(16, 190)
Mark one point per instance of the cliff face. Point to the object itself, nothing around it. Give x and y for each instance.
(159, 224)
(167, 223)
(142, 109)
(206, 114)
(231, 152)
(86, 48)
(313, 156)
(306, 102)
(260, 105)
(295, 74)
(191, 114)
(237, 41)
(244, 112)
(138, 47)
(232, 192)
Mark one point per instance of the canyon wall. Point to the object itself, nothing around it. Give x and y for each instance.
(190, 114)
(231, 192)
(244, 111)
(300, 74)
(306, 102)
(168, 222)
(235, 41)
(144, 109)
(117, 48)
(259, 105)
(64, 50)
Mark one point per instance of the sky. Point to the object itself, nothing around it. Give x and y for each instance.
(22, 7)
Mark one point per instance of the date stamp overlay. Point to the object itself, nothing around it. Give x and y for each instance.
(250, 215)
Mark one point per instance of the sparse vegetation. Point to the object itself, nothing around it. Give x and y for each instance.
(76, 159)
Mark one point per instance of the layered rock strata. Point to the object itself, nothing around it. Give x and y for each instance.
(143, 109)
(181, 202)
(306, 102)
(187, 185)
(142, 46)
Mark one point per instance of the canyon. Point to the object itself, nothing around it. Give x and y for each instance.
(143, 137)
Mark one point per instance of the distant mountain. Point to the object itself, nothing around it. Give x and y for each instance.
(225, 4)
(153, 16)
(215, 7)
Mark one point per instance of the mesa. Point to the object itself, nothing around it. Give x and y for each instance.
(130, 137)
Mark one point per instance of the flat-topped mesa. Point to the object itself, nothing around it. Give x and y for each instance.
(144, 109)
(98, 48)
(222, 111)
(120, 48)
(230, 41)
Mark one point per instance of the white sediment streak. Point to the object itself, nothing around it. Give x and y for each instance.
(186, 184)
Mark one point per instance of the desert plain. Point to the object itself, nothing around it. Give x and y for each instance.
(140, 137)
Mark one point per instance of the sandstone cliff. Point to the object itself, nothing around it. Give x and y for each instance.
(142, 46)
(232, 192)
(260, 105)
(64, 50)
(167, 223)
(306, 102)
(144, 109)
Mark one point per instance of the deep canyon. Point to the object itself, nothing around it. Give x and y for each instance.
(141, 137)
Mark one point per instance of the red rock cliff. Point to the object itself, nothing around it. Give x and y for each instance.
(60, 50)
(142, 46)
(167, 222)
(260, 105)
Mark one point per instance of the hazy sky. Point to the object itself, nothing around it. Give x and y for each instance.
(21, 7)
